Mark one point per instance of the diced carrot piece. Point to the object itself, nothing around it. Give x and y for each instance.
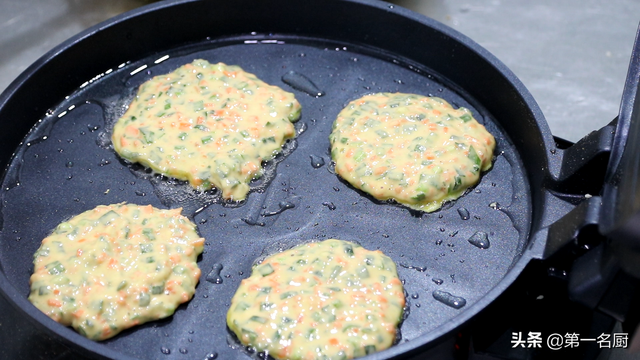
(350, 153)
(132, 130)
(198, 242)
(54, 302)
(380, 170)
(350, 167)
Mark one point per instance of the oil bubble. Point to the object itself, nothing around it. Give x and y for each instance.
(214, 275)
(448, 299)
(480, 239)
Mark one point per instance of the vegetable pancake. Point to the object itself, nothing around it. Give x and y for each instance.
(416, 150)
(327, 300)
(116, 266)
(212, 125)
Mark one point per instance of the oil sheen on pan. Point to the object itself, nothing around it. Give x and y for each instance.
(115, 267)
(68, 163)
(416, 150)
(328, 300)
(210, 124)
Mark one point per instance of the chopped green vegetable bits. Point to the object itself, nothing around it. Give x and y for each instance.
(329, 300)
(105, 270)
(192, 123)
(418, 151)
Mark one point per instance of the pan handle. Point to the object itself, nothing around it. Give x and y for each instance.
(583, 164)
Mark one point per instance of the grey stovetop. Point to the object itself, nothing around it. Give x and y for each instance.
(571, 54)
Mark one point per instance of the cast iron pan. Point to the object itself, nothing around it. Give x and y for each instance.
(62, 108)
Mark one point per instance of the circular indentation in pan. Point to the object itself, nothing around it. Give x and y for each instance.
(65, 166)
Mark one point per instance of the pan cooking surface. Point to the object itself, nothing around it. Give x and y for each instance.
(66, 166)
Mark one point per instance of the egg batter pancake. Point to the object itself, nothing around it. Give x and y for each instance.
(416, 150)
(327, 300)
(115, 267)
(212, 125)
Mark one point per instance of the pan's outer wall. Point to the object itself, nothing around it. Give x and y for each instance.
(164, 25)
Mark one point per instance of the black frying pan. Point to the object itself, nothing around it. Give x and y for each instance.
(63, 105)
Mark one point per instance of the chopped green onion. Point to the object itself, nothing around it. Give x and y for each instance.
(348, 249)
(108, 217)
(360, 155)
(149, 233)
(123, 284)
(147, 135)
(369, 349)
(242, 306)
(287, 295)
(55, 268)
(179, 269)
(258, 319)
(383, 134)
(145, 299)
(146, 248)
(265, 269)
(473, 156)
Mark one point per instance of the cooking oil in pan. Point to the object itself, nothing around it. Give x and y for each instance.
(214, 276)
(290, 204)
(282, 206)
(446, 298)
(480, 239)
(302, 83)
(316, 161)
(464, 213)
